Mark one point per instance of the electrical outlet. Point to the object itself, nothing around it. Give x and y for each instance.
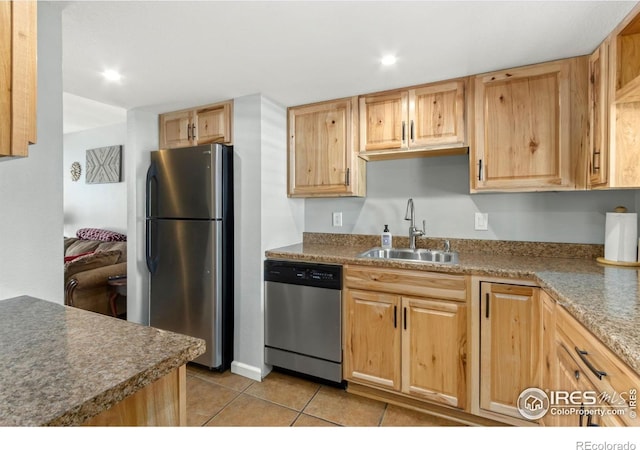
(482, 221)
(337, 219)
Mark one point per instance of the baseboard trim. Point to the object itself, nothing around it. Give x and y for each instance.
(251, 372)
(440, 411)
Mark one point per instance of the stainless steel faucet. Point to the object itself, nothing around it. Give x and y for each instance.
(413, 231)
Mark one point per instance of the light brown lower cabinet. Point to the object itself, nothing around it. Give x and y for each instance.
(590, 385)
(162, 403)
(579, 412)
(510, 345)
(434, 350)
(413, 345)
(373, 338)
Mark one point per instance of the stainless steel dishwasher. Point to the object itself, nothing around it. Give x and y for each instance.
(303, 318)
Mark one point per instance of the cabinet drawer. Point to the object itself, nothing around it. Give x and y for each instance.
(610, 376)
(407, 282)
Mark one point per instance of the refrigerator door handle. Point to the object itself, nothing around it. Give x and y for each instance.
(152, 178)
(152, 262)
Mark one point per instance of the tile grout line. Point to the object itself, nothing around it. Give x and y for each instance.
(384, 412)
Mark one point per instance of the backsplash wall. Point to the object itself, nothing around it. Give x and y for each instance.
(439, 187)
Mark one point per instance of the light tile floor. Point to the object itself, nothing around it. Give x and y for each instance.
(225, 400)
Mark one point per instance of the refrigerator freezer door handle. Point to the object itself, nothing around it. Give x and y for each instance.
(152, 176)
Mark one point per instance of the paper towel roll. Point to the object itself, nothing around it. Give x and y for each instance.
(621, 237)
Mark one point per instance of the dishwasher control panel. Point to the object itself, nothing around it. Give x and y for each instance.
(308, 274)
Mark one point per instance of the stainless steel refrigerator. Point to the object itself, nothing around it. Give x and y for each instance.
(189, 246)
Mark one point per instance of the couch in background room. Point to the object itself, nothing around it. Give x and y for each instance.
(90, 259)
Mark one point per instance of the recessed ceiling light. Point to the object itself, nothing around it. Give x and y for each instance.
(111, 75)
(388, 60)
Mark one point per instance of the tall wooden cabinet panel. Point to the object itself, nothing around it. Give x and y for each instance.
(196, 126)
(323, 159)
(530, 127)
(434, 350)
(624, 99)
(510, 345)
(372, 344)
(420, 121)
(549, 370)
(18, 76)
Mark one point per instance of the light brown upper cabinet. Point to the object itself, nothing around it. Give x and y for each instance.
(598, 116)
(195, 126)
(420, 121)
(18, 76)
(530, 128)
(323, 159)
(624, 104)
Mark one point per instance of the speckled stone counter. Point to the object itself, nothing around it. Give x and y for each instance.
(605, 299)
(61, 365)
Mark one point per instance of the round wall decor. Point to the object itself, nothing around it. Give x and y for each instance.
(75, 171)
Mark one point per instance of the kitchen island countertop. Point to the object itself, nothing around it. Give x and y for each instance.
(62, 366)
(605, 299)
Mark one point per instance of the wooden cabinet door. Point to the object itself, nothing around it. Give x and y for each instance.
(510, 344)
(437, 115)
(372, 338)
(322, 157)
(570, 379)
(598, 116)
(549, 369)
(383, 122)
(18, 76)
(522, 129)
(176, 129)
(434, 350)
(213, 124)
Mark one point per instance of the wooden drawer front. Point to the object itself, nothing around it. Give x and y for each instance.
(617, 380)
(407, 282)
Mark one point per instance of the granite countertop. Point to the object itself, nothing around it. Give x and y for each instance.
(61, 365)
(605, 299)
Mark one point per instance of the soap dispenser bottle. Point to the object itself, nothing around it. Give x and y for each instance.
(386, 237)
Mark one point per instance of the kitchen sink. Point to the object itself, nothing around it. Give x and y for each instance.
(407, 254)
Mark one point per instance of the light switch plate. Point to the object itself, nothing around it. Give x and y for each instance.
(337, 219)
(482, 221)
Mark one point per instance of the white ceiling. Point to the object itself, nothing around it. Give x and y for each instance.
(176, 54)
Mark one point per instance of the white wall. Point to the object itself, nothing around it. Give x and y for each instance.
(142, 137)
(31, 230)
(264, 218)
(440, 189)
(94, 205)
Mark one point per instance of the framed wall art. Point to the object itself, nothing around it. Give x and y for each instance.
(103, 165)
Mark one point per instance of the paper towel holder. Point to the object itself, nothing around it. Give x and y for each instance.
(630, 264)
